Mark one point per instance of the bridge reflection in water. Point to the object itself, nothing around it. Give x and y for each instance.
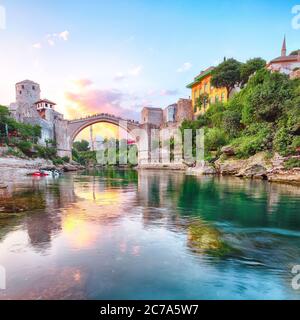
(119, 233)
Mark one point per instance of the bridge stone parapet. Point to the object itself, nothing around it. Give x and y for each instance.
(66, 132)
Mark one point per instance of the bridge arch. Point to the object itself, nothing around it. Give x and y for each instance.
(140, 133)
(75, 128)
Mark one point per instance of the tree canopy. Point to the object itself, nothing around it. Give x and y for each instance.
(227, 74)
(250, 67)
(81, 146)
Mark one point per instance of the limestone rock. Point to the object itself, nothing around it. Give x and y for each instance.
(202, 170)
(228, 151)
(68, 167)
(253, 171)
(285, 176)
(3, 185)
(230, 166)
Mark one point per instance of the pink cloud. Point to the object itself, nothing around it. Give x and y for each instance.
(83, 82)
(169, 92)
(90, 102)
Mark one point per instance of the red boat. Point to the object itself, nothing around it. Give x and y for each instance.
(40, 174)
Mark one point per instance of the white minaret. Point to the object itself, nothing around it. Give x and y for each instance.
(27, 92)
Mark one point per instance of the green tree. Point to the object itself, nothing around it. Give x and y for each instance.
(81, 146)
(267, 97)
(227, 75)
(201, 101)
(250, 67)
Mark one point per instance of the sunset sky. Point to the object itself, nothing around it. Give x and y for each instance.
(119, 56)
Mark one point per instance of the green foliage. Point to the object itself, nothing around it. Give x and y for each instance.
(215, 138)
(81, 146)
(263, 116)
(250, 67)
(282, 140)
(232, 123)
(201, 101)
(66, 159)
(58, 161)
(46, 153)
(256, 138)
(227, 74)
(84, 157)
(15, 153)
(295, 53)
(25, 147)
(292, 163)
(265, 97)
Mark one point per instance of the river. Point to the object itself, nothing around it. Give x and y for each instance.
(121, 234)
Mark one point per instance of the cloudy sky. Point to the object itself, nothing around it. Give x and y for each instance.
(119, 56)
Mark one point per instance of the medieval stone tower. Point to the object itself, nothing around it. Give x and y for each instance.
(27, 92)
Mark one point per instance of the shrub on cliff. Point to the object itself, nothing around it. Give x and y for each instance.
(215, 138)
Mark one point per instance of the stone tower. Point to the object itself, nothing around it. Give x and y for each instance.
(27, 92)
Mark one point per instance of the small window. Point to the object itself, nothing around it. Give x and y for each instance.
(33, 87)
(20, 92)
(23, 87)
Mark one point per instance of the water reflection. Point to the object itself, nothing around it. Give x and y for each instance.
(129, 234)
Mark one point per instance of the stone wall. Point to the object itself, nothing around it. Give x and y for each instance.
(27, 92)
(152, 116)
(47, 129)
(184, 110)
(63, 140)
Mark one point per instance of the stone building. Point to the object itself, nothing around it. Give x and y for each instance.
(173, 115)
(170, 113)
(184, 110)
(152, 116)
(287, 64)
(31, 109)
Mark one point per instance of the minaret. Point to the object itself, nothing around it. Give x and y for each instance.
(283, 50)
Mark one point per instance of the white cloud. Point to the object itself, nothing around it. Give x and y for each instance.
(37, 46)
(120, 76)
(185, 67)
(64, 35)
(135, 71)
(52, 38)
(51, 42)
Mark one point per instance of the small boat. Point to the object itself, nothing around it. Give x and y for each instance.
(40, 174)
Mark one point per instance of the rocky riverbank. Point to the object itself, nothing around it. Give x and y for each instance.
(260, 166)
(13, 169)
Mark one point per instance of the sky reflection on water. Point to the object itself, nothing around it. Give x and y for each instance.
(144, 235)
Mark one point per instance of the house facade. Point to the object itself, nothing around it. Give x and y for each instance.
(202, 90)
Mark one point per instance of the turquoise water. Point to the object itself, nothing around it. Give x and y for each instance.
(149, 235)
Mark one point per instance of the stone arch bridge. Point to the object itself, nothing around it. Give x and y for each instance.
(67, 130)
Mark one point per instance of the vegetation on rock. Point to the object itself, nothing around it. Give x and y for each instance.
(263, 116)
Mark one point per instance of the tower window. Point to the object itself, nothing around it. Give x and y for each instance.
(20, 92)
(33, 87)
(23, 87)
